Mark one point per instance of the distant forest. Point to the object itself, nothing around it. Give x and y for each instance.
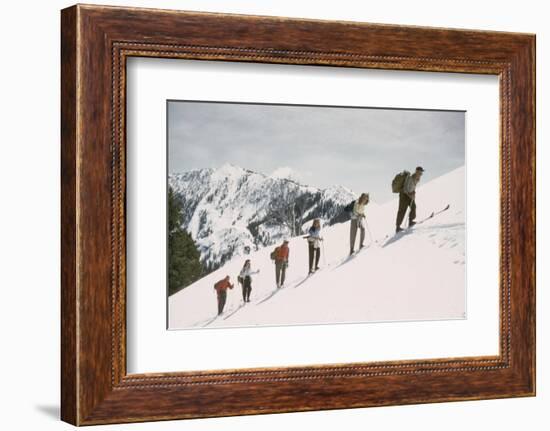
(184, 265)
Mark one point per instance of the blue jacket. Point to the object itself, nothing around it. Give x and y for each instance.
(314, 232)
(315, 236)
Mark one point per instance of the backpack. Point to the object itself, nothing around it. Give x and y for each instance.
(349, 207)
(399, 181)
(274, 253)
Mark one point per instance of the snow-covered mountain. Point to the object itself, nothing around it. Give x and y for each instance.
(232, 211)
(416, 275)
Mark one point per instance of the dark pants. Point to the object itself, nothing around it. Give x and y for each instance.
(405, 202)
(222, 296)
(247, 288)
(355, 225)
(314, 254)
(280, 272)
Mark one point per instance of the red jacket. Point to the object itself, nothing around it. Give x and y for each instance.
(282, 253)
(223, 285)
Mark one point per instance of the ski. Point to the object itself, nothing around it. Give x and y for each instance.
(358, 251)
(271, 295)
(433, 214)
(389, 239)
(209, 321)
(311, 274)
(306, 278)
(232, 312)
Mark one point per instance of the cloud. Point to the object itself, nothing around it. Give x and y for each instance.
(358, 148)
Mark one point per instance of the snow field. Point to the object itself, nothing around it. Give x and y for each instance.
(416, 275)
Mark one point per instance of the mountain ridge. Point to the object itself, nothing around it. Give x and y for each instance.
(232, 211)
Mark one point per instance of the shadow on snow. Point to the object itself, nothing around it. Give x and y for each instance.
(205, 323)
(352, 256)
(233, 312)
(271, 295)
(396, 237)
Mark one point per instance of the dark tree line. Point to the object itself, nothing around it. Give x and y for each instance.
(292, 208)
(184, 266)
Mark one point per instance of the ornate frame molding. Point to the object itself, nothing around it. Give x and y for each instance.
(96, 41)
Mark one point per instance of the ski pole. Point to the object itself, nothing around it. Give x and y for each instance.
(410, 206)
(324, 257)
(368, 229)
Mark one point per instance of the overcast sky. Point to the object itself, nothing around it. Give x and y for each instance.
(359, 148)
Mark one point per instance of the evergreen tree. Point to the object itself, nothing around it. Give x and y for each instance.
(184, 266)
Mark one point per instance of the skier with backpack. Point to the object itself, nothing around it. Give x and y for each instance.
(314, 245)
(356, 209)
(405, 183)
(280, 257)
(221, 290)
(245, 279)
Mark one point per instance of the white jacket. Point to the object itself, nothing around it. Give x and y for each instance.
(358, 210)
(247, 272)
(410, 185)
(315, 237)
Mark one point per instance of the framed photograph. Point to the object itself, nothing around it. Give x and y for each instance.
(299, 207)
(292, 215)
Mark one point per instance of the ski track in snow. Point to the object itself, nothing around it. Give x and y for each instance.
(415, 275)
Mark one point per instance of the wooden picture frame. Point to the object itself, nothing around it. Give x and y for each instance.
(95, 43)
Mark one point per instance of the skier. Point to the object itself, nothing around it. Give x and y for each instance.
(407, 199)
(280, 256)
(314, 245)
(221, 290)
(358, 222)
(245, 278)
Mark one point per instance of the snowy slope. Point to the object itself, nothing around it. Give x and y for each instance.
(226, 210)
(417, 275)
